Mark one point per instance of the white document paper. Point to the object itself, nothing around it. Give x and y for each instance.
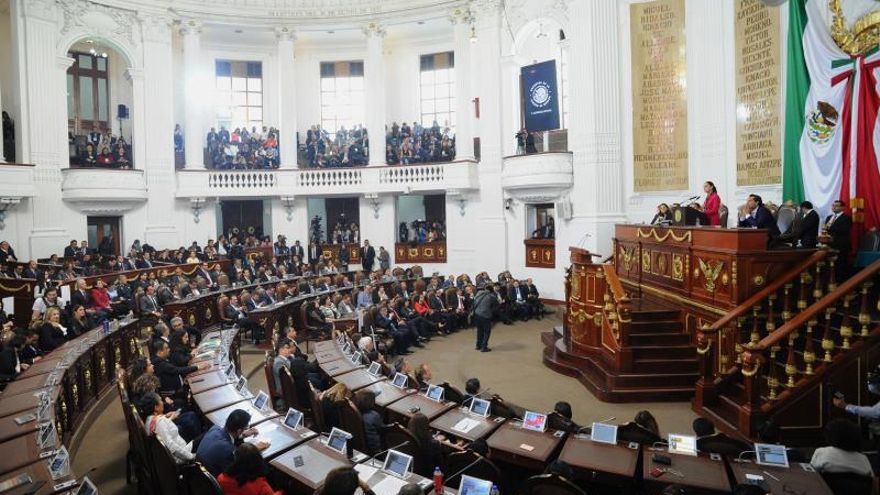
(466, 425)
(390, 484)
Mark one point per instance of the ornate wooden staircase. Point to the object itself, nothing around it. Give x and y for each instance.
(781, 354)
(621, 349)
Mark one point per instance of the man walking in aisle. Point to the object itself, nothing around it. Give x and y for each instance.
(485, 304)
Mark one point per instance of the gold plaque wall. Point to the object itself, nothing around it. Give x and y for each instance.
(659, 69)
(758, 95)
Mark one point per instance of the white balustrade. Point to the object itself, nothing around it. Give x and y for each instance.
(402, 179)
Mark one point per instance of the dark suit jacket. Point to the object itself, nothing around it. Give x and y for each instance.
(79, 297)
(839, 232)
(808, 230)
(216, 450)
(51, 337)
(762, 219)
(141, 264)
(368, 256)
(170, 376)
(7, 363)
(297, 251)
(70, 252)
(149, 305)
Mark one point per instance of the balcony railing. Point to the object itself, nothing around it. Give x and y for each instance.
(459, 176)
(103, 190)
(538, 177)
(17, 180)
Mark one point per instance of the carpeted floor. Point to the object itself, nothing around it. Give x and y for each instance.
(513, 370)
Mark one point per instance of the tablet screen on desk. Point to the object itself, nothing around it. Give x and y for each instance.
(356, 358)
(604, 433)
(682, 444)
(479, 407)
(397, 463)
(434, 393)
(293, 420)
(87, 487)
(474, 486)
(399, 380)
(771, 455)
(337, 440)
(534, 421)
(261, 401)
(374, 368)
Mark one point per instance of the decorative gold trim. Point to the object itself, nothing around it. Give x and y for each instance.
(666, 294)
(25, 287)
(652, 234)
(677, 268)
(864, 34)
(711, 270)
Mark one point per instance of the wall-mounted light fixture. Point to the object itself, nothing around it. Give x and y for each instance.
(196, 204)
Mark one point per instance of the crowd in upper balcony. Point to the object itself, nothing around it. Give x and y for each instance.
(242, 149)
(407, 145)
(99, 149)
(346, 148)
(422, 231)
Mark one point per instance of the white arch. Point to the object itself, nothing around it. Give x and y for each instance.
(121, 45)
(549, 24)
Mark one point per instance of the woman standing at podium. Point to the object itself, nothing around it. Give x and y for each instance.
(712, 205)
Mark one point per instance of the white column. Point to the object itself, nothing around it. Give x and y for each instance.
(287, 91)
(194, 93)
(594, 135)
(2, 159)
(159, 227)
(374, 82)
(464, 106)
(139, 122)
(487, 86)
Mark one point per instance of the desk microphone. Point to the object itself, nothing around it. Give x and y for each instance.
(377, 454)
(462, 470)
(35, 487)
(659, 444)
(739, 457)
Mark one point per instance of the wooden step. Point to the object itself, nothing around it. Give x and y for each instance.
(558, 330)
(663, 352)
(656, 326)
(683, 365)
(659, 338)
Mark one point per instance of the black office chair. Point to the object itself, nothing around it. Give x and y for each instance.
(198, 481)
(632, 432)
(720, 443)
(451, 393)
(550, 484)
(849, 483)
(167, 472)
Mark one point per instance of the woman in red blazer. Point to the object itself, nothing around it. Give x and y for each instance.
(247, 474)
(712, 205)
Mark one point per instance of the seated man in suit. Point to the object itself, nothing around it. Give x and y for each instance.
(217, 449)
(345, 308)
(759, 217)
(402, 338)
(149, 305)
(170, 376)
(71, 250)
(144, 262)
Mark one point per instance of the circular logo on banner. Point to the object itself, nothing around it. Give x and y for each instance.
(540, 94)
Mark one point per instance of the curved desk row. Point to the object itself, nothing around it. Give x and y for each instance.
(300, 458)
(75, 377)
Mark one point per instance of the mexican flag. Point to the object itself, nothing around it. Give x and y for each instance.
(831, 131)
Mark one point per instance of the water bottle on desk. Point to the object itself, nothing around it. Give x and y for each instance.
(495, 490)
(438, 481)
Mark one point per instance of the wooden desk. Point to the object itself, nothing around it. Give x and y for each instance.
(206, 381)
(14, 405)
(327, 355)
(18, 453)
(25, 384)
(400, 410)
(358, 379)
(525, 448)
(701, 474)
(483, 428)
(795, 478)
(45, 365)
(386, 393)
(383, 483)
(325, 345)
(217, 398)
(39, 472)
(218, 417)
(338, 367)
(318, 460)
(280, 438)
(9, 429)
(601, 463)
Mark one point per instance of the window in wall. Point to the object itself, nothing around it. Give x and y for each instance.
(437, 85)
(88, 93)
(342, 95)
(239, 93)
(540, 221)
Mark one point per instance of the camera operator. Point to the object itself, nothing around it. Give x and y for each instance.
(867, 412)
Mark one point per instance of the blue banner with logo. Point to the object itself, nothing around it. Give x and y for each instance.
(540, 96)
